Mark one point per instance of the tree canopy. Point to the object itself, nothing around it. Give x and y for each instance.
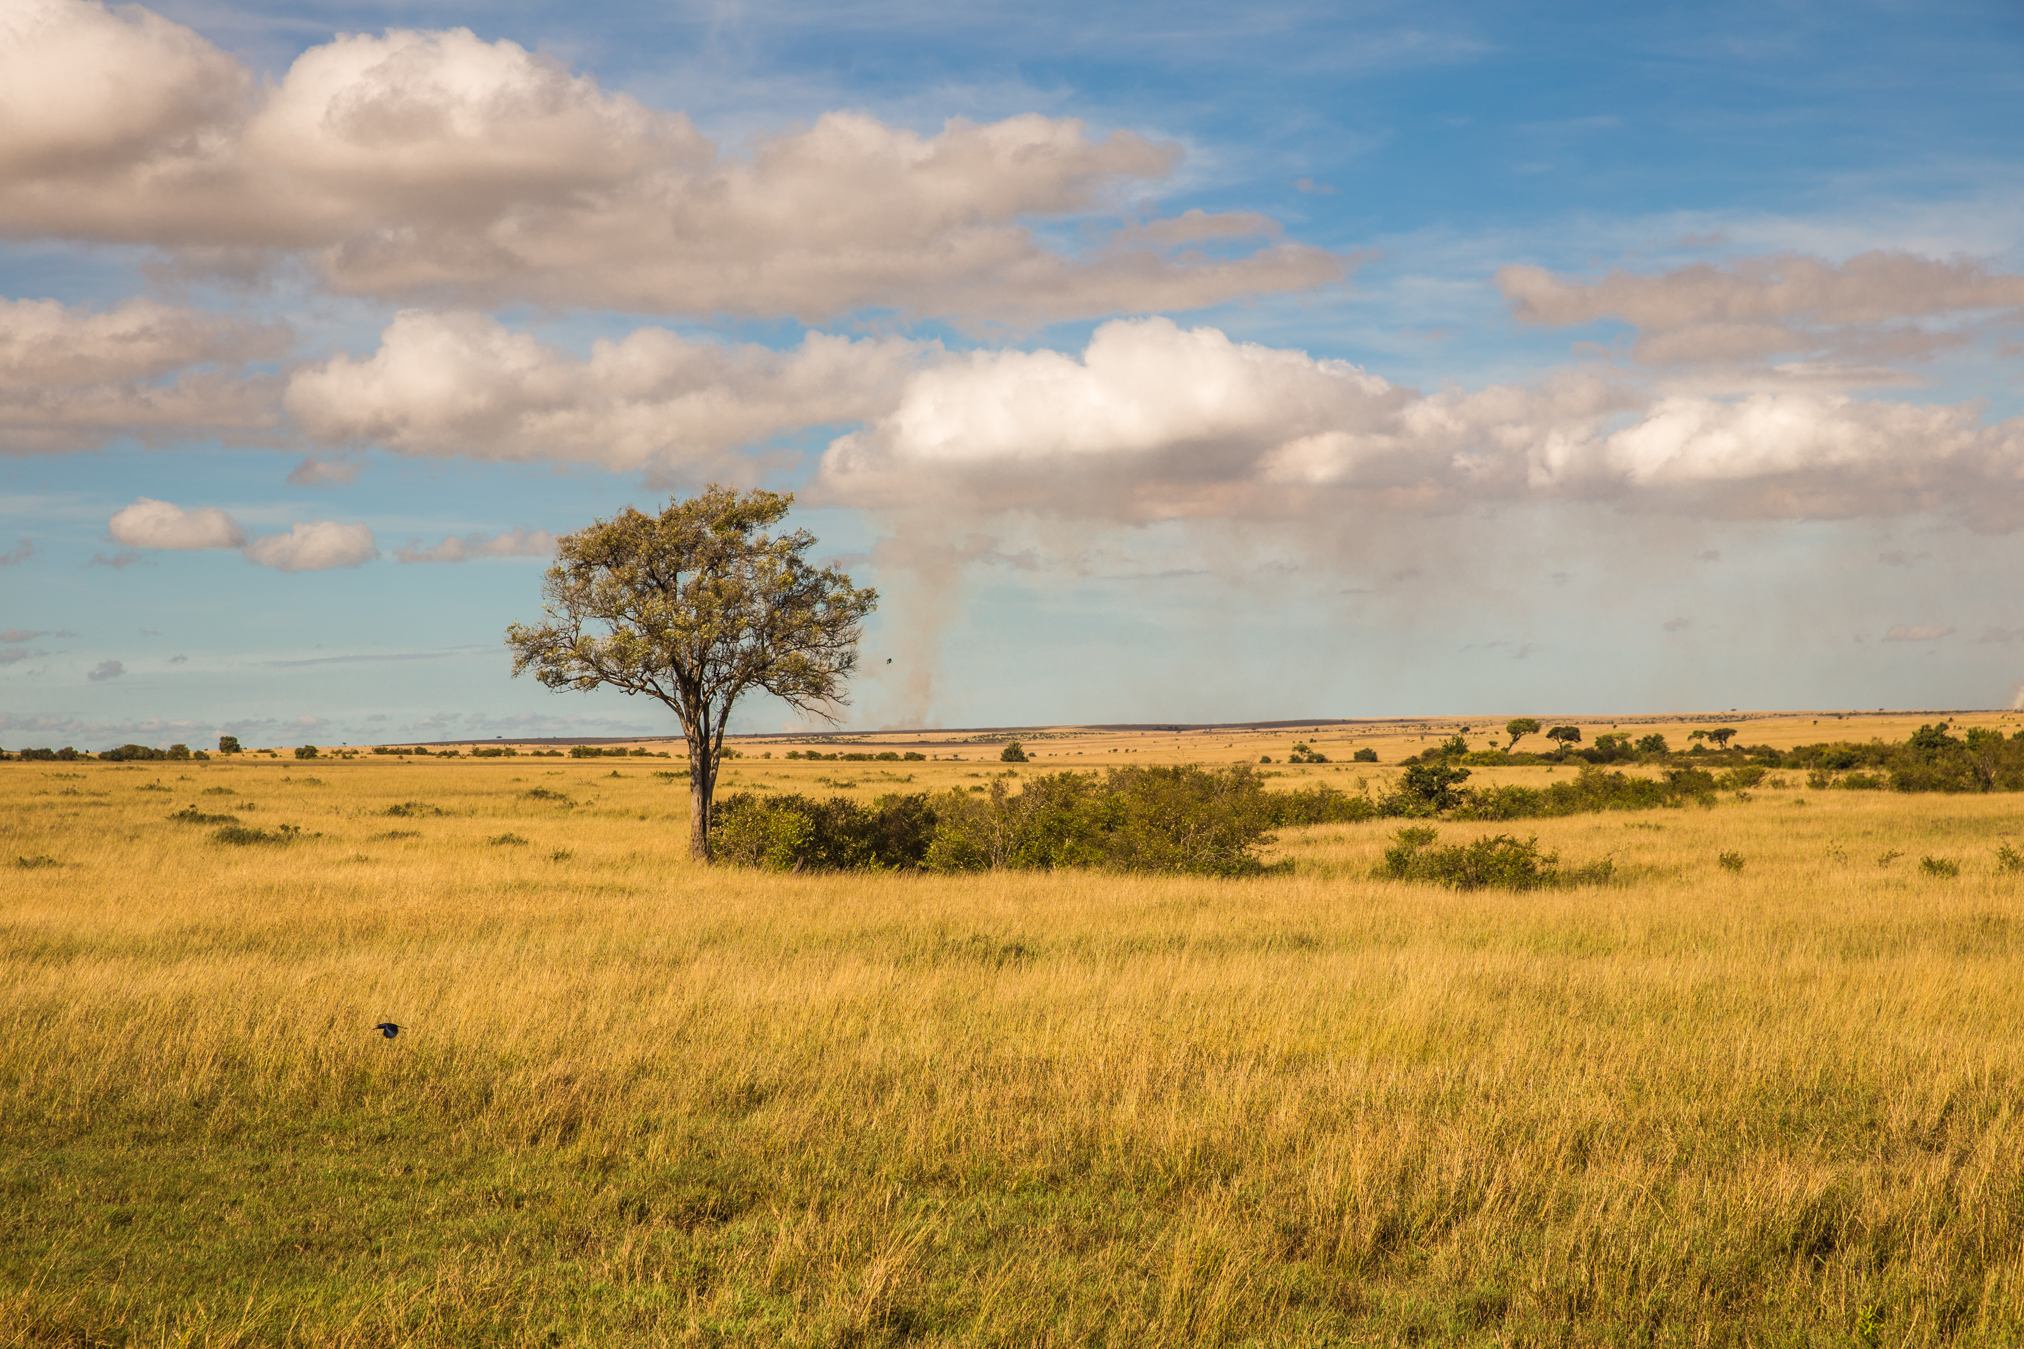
(695, 608)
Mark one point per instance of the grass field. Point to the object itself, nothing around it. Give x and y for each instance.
(641, 1102)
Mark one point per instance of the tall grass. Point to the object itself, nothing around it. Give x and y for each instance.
(637, 1102)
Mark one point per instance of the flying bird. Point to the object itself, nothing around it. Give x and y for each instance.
(388, 1029)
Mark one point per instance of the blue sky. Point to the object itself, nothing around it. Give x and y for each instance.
(1155, 362)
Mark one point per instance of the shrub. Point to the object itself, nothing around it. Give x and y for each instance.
(507, 840)
(243, 836)
(305, 751)
(1496, 861)
(914, 756)
(411, 808)
(1731, 861)
(1426, 789)
(228, 744)
(1945, 867)
(191, 815)
(1365, 755)
(1012, 753)
(1653, 744)
(795, 832)
(39, 860)
(2009, 859)
(1304, 753)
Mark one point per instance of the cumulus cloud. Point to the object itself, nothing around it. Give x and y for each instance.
(461, 383)
(316, 546)
(513, 543)
(74, 379)
(1157, 421)
(104, 670)
(160, 524)
(1846, 318)
(437, 164)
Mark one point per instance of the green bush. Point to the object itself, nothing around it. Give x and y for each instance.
(191, 815)
(1184, 820)
(305, 751)
(1364, 755)
(1731, 861)
(795, 833)
(1012, 753)
(1945, 867)
(243, 836)
(1494, 861)
(2009, 859)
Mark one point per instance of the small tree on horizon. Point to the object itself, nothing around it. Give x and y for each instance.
(1568, 736)
(1012, 753)
(1518, 728)
(1722, 735)
(695, 608)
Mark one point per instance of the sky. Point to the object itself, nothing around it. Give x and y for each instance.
(1156, 363)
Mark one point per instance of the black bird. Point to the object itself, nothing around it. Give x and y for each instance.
(388, 1029)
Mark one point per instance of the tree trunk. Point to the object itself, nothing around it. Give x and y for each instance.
(702, 784)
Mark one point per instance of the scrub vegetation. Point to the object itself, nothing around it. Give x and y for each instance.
(1408, 1084)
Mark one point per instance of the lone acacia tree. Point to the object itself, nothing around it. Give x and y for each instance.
(1518, 728)
(695, 607)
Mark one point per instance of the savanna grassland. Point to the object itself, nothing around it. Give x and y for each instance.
(638, 1102)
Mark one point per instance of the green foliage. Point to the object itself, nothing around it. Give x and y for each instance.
(1494, 861)
(228, 744)
(1565, 736)
(1303, 753)
(411, 809)
(1364, 755)
(2009, 859)
(1731, 861)
(695, 608)
(1520, 727)
(1652, 744)
(191, 815)
(243, 836)
(1012, 753)
(141, 752)
(1944, 867)
(1181, 819)
(1591, 790)
(1426, 789)
(1721, 735)
(305, 751)
(794, 833)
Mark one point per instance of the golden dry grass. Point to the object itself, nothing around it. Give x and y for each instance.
(640, 1102)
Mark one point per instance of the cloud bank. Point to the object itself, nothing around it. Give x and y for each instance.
(464, 384)
(1156, 421)
(74, 379)
(434, 164)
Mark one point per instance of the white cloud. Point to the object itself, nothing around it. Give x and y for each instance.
(316, 546)
(513, 543)
(74, 379)
(463, 384)
(435, 164)
(1158, 421)
(160, 524)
